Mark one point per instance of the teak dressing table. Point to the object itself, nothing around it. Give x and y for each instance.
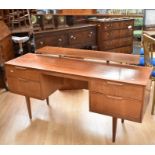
(118, 90)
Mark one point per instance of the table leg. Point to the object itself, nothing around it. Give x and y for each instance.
(47, 100)
(28, 103)
(122, 120)
(153, 104)
(114, 128)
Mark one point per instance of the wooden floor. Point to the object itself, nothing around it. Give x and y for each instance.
(66, 121)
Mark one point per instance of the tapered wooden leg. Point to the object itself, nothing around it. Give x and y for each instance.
(153, 104)
(114, 128)
(47, 100)
(122, 120)
(28, 103)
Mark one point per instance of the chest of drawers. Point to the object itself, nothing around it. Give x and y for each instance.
(115, 35)
(82, 36)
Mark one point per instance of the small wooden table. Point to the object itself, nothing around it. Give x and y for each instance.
(118, 90)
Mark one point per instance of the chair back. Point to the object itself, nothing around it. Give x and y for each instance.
(148, 43)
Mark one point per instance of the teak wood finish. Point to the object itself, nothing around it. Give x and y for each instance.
(112, 87)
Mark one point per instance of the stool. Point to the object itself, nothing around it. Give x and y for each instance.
(20, 41)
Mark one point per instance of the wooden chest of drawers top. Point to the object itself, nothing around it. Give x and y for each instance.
(111, 24)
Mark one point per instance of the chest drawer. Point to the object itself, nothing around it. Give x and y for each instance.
(80, 37)
(127, 24)
(105, 26)
(116, 106)
(117, 89)
(22, 72)
(125, 33)
(110, 34)
(51, 40)
(127, 49)
(126, 41)
(109, 44)
(24, 87)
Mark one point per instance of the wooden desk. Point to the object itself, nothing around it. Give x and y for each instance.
(120, 91)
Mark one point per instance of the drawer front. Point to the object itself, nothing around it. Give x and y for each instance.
(51, 40)
(117, 89)
(116, 106)
(116, 34)
(125, 33)
(110, 35)
(105, 26)
(110, 44)
(127, 24)
(127, 49)
(80, 37)
(126, 41)
(22, 72)
(115, 25)
(24, 87)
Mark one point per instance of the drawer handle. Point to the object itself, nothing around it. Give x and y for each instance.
(41, 42)
(114, 83)
(72, 37)
(23, 80)
(114, 97)
(90, 34)
(11, 71)
(21, 68)
(130, 27)
(60, 40)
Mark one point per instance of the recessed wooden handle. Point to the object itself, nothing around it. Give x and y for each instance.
(23, 80)
(114, 83)
(114, 97)
(21, 68)
(11, 71)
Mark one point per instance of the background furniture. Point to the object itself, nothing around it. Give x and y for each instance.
(77, 11)
(114, 35)
(6, 50)
(80, 36)
(149, 60)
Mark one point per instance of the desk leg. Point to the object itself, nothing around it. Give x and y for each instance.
(153, 104)
(114, 128)
(47, 100)
(122, 120)
(28, 103)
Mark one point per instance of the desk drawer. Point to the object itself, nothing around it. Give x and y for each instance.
(117, 89)
(115, 106)
(24, 87)
(22, 72)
